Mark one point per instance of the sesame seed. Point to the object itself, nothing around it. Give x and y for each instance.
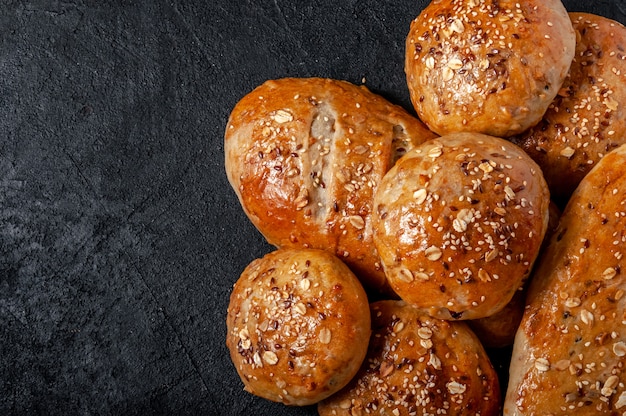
(542, 364)
(609, 273)
(567, 152)
(270, 357)
(357, 222)
(325, 336)
(420, 196)
(619, 349)
(425, 333)
(282, 116)
(433, 253)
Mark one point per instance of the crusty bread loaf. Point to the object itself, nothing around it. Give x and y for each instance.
(298, 326)
(418, 365)
(458, 223)
(568, 356)
(498, 330)
(588, 117)
(305, 156)
(491, 67)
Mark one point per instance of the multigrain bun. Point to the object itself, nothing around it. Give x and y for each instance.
(498, 330)
(305, 156)
(418, 365)
(568, 356)
(491, 67)
(298, 326)
(458, 224)
(588, 117)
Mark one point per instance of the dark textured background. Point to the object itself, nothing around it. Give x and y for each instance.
(120, 237)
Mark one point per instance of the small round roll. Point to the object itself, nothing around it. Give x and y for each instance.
(485, 66)
(298, 326)
(417, 365)
(459, 222)
(588, 117)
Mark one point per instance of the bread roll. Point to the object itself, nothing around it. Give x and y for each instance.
(498, 330)
(568, 356)
(458, 223)
(418, 365)
(588, 117)
(298, 325)
(305, 156)
(490, 67)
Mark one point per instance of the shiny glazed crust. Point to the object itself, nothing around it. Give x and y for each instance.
(483, 66)
(304, 157)
(418, 365)
(298, 326)
(588, 117)
(568, 356)
(458, 224)
(498, 330)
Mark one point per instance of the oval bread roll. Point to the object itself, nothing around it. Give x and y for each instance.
(418, 365)
(298, 326)
(588, 117)
(305, 156)
(459, 222)
(568, 356)
(490, 67)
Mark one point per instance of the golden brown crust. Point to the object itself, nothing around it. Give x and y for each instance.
(568, 356)
(298, 326)
(418, 365)
(588, 117)
(304, 157)
(459, 222)
(498, 330)
(486, 66)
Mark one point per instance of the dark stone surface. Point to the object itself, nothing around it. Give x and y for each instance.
(120, 237)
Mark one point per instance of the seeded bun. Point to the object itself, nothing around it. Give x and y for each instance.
(568, 356)
(487, 67)
(418, 365)
(305, 156)
(298, 326)
(458, 224)
(588, 117)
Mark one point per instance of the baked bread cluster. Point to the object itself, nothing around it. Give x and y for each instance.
(406, 245)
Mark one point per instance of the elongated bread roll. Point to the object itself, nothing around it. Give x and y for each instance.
(458, 223)
(568, 356)
(588, 117)
(418, 365)
(486, 66)
(298, 326)
(305, 156)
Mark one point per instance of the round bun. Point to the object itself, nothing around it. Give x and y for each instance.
(487, 67)
(418, 365)
(459, 222)
(298, 326)
(304, 157)
(588, 117)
